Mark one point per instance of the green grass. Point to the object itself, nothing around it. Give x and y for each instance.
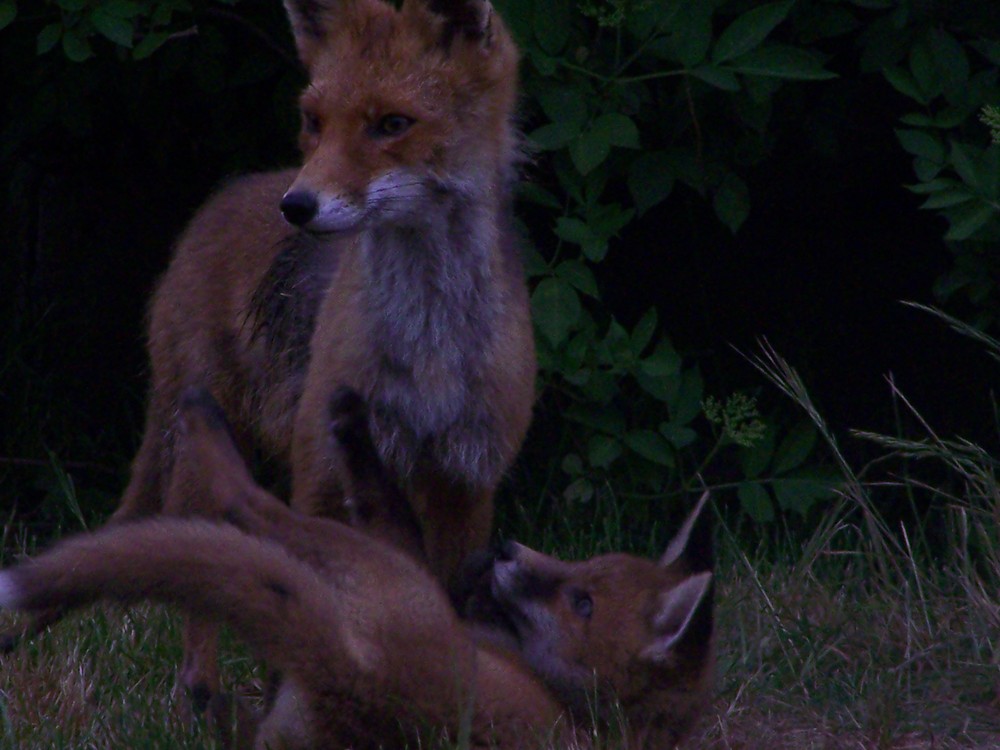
(104, 678)
(861, 634)
(821, 653)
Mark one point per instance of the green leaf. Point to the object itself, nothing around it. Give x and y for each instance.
(934, 186)
(601, 387)
(551, 23)
(732, 202)
(692, 33)
(555, 307)
(968, 219)
(519, 16)
(717, 77)
(532, 192)
(555, 135)
(48, 38)
(924, 71)
(917, 120)
(122, 8)
(72, 6)
(534, 263)
(8, 12)
(615, 346)
(76, 47)
(920, 143)
(951, 62)
(801, 493)
(643, 332)
(650, 445)
(755, 459)
(651, 179)
(149, 44)
(947, 199)
(749, 30)
(618, 129)
(686, 404)
(607, 220)
(572, 464)
(579, 489)
(564, 105)
(901, 80)
(966, 160)
(579, 275)
(603, 450)
(113, 27)
(606, 418)
(661, 388)
(590, 150)
(663, 362)
(780, 61)
(595, 249)
(573, 230)
(926, 170)
(795, 447)
(679, 436)
(755, 502)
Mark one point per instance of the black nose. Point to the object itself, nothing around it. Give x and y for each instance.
(506, 552)
(299, 207)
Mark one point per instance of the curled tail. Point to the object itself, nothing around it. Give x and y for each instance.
(205, 568)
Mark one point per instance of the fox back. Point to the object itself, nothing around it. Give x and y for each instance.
(385, 263)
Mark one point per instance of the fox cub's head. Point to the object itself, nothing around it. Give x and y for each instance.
(618, 628)
(406, 110)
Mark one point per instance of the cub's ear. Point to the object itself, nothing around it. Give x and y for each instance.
(680, 610)
(690, 551)
(471, 19)
(310, 20)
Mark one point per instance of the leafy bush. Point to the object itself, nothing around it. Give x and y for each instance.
(627, 103)
(627, 100)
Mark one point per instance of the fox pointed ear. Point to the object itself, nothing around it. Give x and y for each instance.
(472, 19)
(691, 548)
(310, 20)
(681, 610)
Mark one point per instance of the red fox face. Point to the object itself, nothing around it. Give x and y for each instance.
(614, 628)
(404, 109)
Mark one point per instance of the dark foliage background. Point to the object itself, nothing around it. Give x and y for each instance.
(738, 167)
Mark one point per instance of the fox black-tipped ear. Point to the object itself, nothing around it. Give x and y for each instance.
(685, 607)
(310, 20)
(691, 548)
(470, 18)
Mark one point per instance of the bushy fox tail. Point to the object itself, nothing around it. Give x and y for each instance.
(205, 568)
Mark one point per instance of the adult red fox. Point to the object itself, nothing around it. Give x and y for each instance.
(370, 650)
(394, 271)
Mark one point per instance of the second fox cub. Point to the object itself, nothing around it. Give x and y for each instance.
(394, 271)
(370, 649)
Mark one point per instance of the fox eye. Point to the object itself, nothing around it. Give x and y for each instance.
(311, 122)
(391, 126)
(583, 605)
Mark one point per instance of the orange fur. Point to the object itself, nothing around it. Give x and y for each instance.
(370, 650)
(396, 273)
(400, 279)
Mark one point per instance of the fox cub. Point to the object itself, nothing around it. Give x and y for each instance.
(391, 267)
(369, 648)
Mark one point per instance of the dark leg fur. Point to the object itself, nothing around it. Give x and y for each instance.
(375, 502)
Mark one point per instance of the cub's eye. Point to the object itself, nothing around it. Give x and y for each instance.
(311, 123)
(391, 126)
(583, 605)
